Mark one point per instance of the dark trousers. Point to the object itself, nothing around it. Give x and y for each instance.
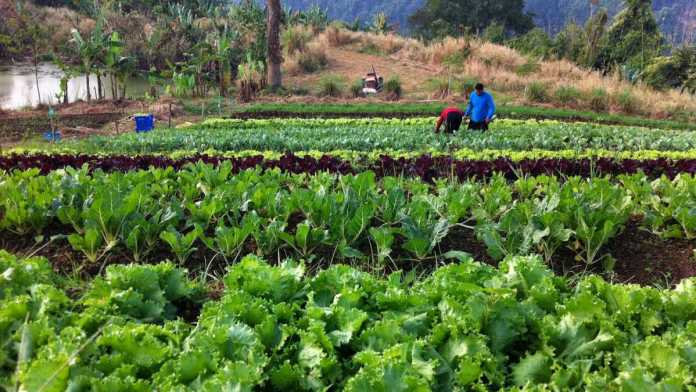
(478, 126)
(454, 121)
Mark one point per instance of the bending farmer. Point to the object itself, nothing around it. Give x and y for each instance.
(481, 109)
(452, 118)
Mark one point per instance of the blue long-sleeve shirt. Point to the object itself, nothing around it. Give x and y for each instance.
(480, 107)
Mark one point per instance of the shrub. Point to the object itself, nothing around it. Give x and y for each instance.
(295, 39)
(567, 95)
(337, 36)
(495, 33)
(466, 86)
(311, 60)
(393, 88)
(251, 79)
(528, 68)
(627, 102)
(537, 92)
(370, 47)
(356, 88)
(298, 90)
(331, 86)
(535, 43)
(440, 86)
(599, 100)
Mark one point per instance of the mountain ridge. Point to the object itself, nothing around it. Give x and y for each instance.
(677, 18)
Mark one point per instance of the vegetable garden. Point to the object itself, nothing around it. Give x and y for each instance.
(351, 254)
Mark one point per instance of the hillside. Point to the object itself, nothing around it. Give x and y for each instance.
(509, 74)
(677, 18)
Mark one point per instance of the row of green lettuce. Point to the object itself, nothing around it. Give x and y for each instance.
(407, 109)
(328, 217)
(358, 157)
(368, 135)
(466, 327)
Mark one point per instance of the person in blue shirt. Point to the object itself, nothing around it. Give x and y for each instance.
(481, 109)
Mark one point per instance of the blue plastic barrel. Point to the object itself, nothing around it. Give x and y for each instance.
(144, 123)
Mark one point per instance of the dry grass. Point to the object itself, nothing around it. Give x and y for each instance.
(295, 39)
(312, 59)
(336, 37)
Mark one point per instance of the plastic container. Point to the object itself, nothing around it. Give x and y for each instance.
(52, 136)
(144, 123)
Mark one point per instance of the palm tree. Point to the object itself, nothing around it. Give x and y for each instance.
(274, 56)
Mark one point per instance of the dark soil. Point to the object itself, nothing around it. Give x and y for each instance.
(310, 115)
(641, 257)
(644, 258)
(14, 129)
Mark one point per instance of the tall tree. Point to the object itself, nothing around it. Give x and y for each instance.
(33, 36)
(274, 52)
(438, 18)
(633, 39)
(594, 32)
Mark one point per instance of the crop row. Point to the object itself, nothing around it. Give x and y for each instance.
(468, 326)
(410, 110)
(392, 222)
(389, 135)
(361, 157)
(425, 167)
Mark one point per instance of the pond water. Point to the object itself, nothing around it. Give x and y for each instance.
(18, 86)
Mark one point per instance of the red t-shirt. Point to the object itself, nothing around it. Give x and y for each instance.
(447, 111)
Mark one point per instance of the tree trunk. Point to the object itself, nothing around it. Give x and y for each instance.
(114, 87)
(89, 92)
(274, 56)
(221, 74)
(100, 87)
(36, 77)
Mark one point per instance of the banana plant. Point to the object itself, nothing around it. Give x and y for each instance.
(90, 50)
(222, 43)
(118, 67)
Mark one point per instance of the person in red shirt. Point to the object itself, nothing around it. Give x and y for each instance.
(452, 118)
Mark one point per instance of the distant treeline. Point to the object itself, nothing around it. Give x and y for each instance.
(676, 18)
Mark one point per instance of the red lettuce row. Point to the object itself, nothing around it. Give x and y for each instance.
(426, 167)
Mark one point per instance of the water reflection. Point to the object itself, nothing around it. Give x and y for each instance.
(18, 86)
